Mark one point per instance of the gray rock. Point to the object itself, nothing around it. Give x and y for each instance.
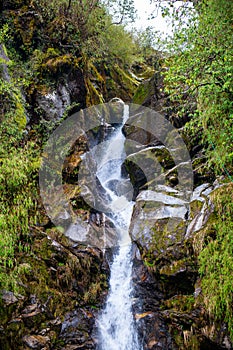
(36, 342)
(116, 108)
(9, 298)
(201, 207)
(76, 330)
(158, 218)
(55, 103)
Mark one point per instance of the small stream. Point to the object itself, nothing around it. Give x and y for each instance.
(116, 325)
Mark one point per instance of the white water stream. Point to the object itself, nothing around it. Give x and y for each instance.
(116, 323)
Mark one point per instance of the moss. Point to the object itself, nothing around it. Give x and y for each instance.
(195, 208)
(93, 97)
(120, 83)
(6, 59)
(163, 237)
(94, 82)
(215, 259)
(12, 100)
(25, 23)
(56, 63)
(175, 267)
(64, 278)
(202, 237)
(143, 92)
(182, 303)
(20, 115)
(126, 79)
(143, 70)
(94, 73)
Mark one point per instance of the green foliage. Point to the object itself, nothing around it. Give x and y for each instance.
(216, 261)
(17, 187)
(147, 40)
(199, 82)
(75, 27)
(11, 107)
(119, 45)
(201, 69)
(4, 33)
(64, 34)
(45, 40)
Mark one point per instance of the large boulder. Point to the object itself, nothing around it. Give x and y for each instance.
(158, 227)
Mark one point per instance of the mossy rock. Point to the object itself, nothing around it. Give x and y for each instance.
(25, 23)
(176, 267)
(145, 70)
(120, 83)
(182, 303)
(94, 96)
(12, 101)
(195, 208)
(55, 279)
(144, 92)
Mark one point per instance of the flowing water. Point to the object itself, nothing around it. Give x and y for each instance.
(116, 323)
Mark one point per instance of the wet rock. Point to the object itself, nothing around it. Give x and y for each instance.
(201, 215)
(76, 330)
(98, 232)
(69, 90)
(156, 154)
(91, 189)
(201, 208)
(55, 103)
(147, 167)
(116, 108)
(152, 329)
(36, 342)
(168, 296)
(155, 214)
(138, 136)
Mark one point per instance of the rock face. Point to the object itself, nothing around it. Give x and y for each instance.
(62, 287)
(170, 226)
(66, 95)
(169, 306)
(156, 153)
(151, 94)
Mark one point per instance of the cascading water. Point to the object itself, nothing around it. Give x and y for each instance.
(116, 323)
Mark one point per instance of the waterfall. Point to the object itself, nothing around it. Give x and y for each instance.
(116, 323)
